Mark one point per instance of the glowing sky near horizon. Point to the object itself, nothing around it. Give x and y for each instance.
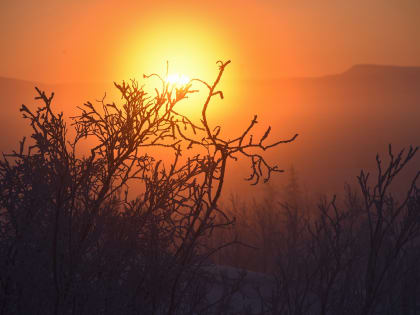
(79, 41)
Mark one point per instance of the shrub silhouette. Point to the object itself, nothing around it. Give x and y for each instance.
(357, 255)
(73, 242)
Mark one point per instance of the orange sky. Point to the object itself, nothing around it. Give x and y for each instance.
(79, 41)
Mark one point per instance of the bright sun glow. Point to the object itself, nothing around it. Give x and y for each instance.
(177, 80)
(179, 49)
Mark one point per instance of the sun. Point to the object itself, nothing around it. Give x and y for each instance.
(177, 80)
(183, 51)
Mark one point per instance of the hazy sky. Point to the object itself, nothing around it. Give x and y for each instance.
(82, 40)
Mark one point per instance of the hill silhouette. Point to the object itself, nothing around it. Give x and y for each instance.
(363, 70)
(343, 119)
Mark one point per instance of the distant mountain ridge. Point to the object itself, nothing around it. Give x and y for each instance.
(342, 119)
(381, 70)
(357, 70)
(4, 80)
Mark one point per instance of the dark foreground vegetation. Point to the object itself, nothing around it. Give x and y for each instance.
(74, 240)
(357, 254)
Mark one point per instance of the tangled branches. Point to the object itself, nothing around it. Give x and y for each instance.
(65, 211)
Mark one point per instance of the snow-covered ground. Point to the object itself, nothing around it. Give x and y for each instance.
(240, 289)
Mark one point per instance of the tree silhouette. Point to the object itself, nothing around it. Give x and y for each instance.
(71, 239)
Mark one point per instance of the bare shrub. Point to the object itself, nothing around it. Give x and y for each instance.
(72, 241)
(357, 257)
(352, 255)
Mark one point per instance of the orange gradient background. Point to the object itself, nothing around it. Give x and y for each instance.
(83, 41)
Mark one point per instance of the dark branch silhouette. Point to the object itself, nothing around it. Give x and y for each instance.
(72, 241)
